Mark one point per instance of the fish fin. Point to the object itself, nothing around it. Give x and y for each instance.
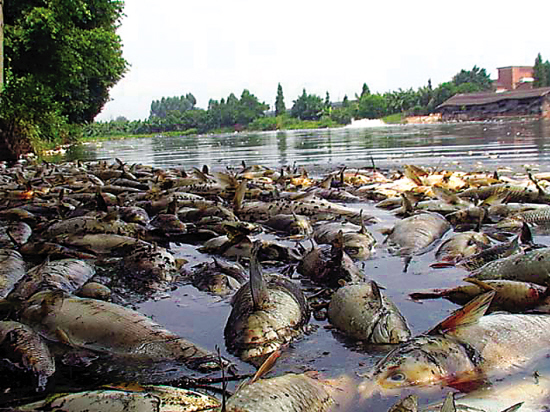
(258, 288)
(407, 261)
(449, 403)
(443, 264)
(434, 294)
(513, 408)
(110, 217)
(200, 175)
(479, 283)
(239, 196)
(467, 315)
(172, 207)
(376, 291)
(268, 364)
(526, 235)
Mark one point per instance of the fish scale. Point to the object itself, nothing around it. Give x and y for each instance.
(532, 266)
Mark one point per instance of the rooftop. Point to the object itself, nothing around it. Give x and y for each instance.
(468, 99)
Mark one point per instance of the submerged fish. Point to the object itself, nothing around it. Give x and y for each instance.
(362, 312)
(266, 314)
(109, 328)
(463, 349)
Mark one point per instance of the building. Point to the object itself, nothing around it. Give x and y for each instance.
(514, 78)
(490, 105)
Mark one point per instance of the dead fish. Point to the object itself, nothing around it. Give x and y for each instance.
(330, 264)
(358, 241)
(287, 393)
(12, 270)
(462, 350)
(23, 349)
(95, 290)
(148, 266)
(416, 234)
(265, 314)
(126, 398)
(538, 219)
(511, 192)
(65, 274)
(218, 277)
(104, 243)
(459, 246)
(109, 328)
(362, 312)
(108, 223)
(14, 234)
(510, 295)
(531, 266)
(290, 224)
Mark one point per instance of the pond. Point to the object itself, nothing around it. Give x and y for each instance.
(509, 146)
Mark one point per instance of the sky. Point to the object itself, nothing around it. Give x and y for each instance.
(212, 48)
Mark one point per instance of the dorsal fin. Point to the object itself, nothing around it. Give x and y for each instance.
(526, 236)
(376, 291)
(239, 196)
(258, 288)
(479, 283)
(467, 315)
(449, 403)
(268, 364)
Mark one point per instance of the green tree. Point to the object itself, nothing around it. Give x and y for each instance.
(280, 101)
(365, 91)
(540, 73)
(62, 58)
(476, 76)
(160, 108)
(307, 107)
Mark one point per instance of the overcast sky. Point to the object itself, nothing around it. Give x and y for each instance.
(212, 48)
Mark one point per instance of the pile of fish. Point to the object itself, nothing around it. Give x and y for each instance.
(82, 243)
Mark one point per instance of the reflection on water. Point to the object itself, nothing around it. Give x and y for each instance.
(490, 143)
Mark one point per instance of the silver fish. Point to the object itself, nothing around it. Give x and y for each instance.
(109, 328)
(266, 314)
(362, 312)
(12, 270)
(287, 393)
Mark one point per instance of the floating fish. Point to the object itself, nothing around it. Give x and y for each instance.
(109, 328)
(266, 314)
(462, 350)
(362, 312)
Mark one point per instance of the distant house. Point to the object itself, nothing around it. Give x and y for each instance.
(514, 78)
(491, 105)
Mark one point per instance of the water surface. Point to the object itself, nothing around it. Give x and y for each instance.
(201, 317)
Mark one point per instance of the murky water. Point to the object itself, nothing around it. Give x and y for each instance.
(201, 317)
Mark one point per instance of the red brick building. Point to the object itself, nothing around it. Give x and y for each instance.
(514, 78)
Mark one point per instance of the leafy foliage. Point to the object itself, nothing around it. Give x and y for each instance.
(478, 78)
(160, 108)
(541, 72)
(280, 107)
(307, 107)
(62, 57)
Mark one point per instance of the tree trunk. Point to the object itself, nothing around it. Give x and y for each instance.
(1, 46)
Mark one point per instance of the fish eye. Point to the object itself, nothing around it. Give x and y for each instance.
(397, 377)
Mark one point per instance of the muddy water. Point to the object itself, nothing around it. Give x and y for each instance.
(201, 317)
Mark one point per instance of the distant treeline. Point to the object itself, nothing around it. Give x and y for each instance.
(179, 114)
